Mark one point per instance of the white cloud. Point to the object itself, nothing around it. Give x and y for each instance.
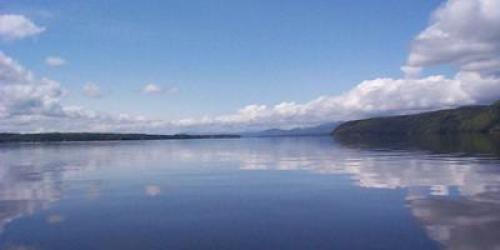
(22, 94)
(92, 90)
(464, 33)
(14, 27)
(374, 97)
(55, 61)
(151, 89)
(154, 89)
(30, 104)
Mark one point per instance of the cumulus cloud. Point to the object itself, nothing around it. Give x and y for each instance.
(22, 94)
(92, 90)
(55, 61)
(154, 89)
(463, 33)
(374, 97)
(15, 27)
(31, 104)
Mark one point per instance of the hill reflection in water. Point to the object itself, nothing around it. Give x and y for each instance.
(451, 185)
(469, 219)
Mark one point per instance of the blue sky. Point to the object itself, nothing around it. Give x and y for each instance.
(221, 55)
(219, 65)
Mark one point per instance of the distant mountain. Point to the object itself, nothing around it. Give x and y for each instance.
(57, 137)
(483, 119)
(323, 129)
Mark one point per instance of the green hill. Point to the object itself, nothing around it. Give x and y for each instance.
(483, 119)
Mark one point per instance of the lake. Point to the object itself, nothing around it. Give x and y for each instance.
(251, 193)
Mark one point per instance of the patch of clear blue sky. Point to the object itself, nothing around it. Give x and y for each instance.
(221, 55)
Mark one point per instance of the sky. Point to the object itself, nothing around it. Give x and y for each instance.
(209, 66)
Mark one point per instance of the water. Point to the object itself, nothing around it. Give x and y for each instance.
(274, 193)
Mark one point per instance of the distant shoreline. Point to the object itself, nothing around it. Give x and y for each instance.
(69, 137)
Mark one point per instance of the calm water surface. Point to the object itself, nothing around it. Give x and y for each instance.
(274, 193)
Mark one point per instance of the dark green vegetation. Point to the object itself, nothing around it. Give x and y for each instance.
(57, 137)
(480, 119)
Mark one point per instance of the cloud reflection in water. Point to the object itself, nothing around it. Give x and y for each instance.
(456, 197)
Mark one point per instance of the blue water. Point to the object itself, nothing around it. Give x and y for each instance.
(251, 193)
